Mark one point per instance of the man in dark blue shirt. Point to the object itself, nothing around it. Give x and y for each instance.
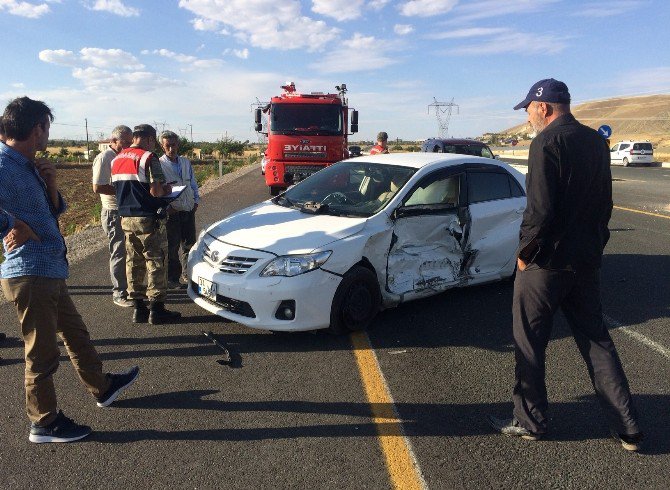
(34, 272)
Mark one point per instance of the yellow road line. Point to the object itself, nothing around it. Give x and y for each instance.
(642, 212)
(400, 461)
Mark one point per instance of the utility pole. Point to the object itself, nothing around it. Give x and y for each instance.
(88, 151)
(191, 126)
(443, 113)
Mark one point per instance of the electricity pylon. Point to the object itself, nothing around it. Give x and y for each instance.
(443, 113)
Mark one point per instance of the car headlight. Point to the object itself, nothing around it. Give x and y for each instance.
(293, 265)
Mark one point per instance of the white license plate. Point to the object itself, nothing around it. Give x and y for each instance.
(207, 288)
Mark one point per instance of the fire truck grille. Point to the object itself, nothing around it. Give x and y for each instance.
(303, 169)
(305, 154)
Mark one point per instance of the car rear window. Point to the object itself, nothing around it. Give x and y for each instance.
(474, 150)
(488, 186)
(643, 146)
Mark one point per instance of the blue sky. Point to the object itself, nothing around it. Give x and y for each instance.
(202, 63)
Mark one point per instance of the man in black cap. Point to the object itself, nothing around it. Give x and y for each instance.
(563, 234)
(139, 181)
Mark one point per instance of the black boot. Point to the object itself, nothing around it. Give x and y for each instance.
(158, 314)
(141, 312)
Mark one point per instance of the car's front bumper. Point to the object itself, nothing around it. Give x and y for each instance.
(254, 301)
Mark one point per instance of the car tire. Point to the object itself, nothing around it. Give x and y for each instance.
(625, 162)
(356, 301)
(274, 191)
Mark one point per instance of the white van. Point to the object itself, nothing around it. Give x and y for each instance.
(627, 152)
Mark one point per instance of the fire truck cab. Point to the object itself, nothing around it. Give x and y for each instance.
(306, 132)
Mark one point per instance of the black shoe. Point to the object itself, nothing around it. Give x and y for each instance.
(173, 284)
(141, 312)
(511, 427)
(629, 442)
(158, 314)
(120, 381)
(123, 302)
(62, 429)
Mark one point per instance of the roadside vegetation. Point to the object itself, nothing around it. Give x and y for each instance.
(74, 173)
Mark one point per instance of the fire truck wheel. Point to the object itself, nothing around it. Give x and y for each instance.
(356, 301)
(274, 191)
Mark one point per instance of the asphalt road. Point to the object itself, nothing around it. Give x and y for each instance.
(297, 410)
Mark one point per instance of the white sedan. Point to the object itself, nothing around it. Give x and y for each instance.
(361, 235)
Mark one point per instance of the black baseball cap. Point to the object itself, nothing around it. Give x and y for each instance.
(144, 130)
(547, 90)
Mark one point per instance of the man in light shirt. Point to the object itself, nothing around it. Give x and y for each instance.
(181, 211)
(122, 137)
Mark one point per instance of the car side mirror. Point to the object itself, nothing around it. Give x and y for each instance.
(354, 121)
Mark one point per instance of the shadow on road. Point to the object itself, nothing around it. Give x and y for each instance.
(569, 421)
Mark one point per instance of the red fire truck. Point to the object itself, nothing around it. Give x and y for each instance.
(306, 132)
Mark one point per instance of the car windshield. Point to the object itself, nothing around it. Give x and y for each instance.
(347, 189)
(314, 119)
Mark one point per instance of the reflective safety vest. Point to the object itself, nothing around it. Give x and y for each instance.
(130, 176)
(377, 149)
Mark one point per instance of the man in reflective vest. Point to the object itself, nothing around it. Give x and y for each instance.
(382, 144)
(140, 184)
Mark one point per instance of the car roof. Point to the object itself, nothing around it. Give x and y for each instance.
(457, 141)
(422, 159)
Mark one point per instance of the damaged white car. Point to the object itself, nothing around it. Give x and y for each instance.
(361, 235)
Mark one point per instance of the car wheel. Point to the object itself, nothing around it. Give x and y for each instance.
(356, 301)
(274, 191)
(625, 162)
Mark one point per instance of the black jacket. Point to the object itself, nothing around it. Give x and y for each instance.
(569, 188)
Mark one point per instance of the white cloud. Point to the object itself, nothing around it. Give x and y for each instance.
(24, 9)
(243, 54)
(107, 70)
(514, 42)
(58, 57)
(205, 24)
(18, 85)
(468, 32)
(110, 58)
(609, 9)
(426, 8)
(403, 29)
(190, 62)
(338, 9)
(377, 4)
(104, 81)
(116, 7)
(263, 23)
(360, 53)
(645, 80)
(483, 9)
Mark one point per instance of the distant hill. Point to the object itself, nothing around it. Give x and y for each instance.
(644, 117)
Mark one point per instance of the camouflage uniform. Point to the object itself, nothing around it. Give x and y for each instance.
(142, 224)
(146, 257)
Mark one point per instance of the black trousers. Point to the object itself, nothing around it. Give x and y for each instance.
(538, 293)
(181, 237)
